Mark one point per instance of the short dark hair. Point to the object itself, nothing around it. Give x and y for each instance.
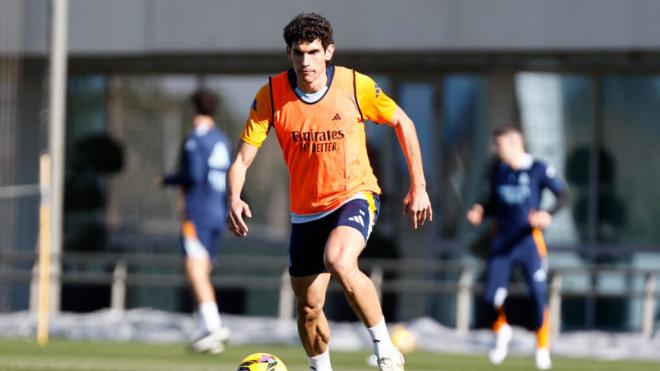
(307, 27)
(204, 102)
(506, 129)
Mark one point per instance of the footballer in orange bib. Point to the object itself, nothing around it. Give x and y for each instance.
(318, 112)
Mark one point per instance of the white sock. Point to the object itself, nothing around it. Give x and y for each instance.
(320, 362)
(208, 312)
(381, 338)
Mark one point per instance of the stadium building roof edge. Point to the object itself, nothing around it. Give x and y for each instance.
(144, 28)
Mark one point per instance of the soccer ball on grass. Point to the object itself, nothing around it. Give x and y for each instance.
(403, 339)
(261, 362)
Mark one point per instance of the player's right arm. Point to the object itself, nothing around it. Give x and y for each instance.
(253, 136)
(235, 181)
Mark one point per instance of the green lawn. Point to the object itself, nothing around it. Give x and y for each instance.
(78, 356)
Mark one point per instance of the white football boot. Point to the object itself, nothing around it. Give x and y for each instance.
(393, 362)
(211, 342)
(500, 347)
(543, 361)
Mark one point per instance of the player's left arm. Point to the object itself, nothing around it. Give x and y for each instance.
(417, 202)
(550, 180)
(375, 105)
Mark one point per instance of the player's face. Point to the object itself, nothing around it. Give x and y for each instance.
(309, 60)
(509, 147)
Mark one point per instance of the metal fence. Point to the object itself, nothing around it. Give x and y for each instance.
(122, 271)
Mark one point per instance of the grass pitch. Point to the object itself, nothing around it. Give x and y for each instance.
(94, 356)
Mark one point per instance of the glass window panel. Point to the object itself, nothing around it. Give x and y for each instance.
(89, 160)
(416, 99)
(464, 150)
(85, 106)
(630, 168)
(557, 119)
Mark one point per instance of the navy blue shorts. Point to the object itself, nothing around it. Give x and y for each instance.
(199, 241)
(307, 244)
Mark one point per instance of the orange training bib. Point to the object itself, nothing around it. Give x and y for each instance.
(323, 144)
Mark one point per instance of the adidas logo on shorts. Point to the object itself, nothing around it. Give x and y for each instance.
(357, 219)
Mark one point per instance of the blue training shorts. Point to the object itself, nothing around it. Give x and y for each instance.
(307, 244)
(199, 241)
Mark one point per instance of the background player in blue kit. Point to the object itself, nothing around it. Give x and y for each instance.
(516, 184)
(204, 161)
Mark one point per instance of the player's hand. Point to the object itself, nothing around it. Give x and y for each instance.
(418, 205)
(539, 219)
(475, 215)
(235, 223)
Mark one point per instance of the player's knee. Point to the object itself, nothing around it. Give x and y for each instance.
(496, 298)
(340, 267)
(310, 312)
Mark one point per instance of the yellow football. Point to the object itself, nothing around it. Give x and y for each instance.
(261, 362)
(402, 338)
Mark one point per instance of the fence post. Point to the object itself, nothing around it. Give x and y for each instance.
(648, 309)
(55, 275)
(34, 288)
(377, 278)
(463, 302)
(555, 304)
(287, 299)
(118, 295)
